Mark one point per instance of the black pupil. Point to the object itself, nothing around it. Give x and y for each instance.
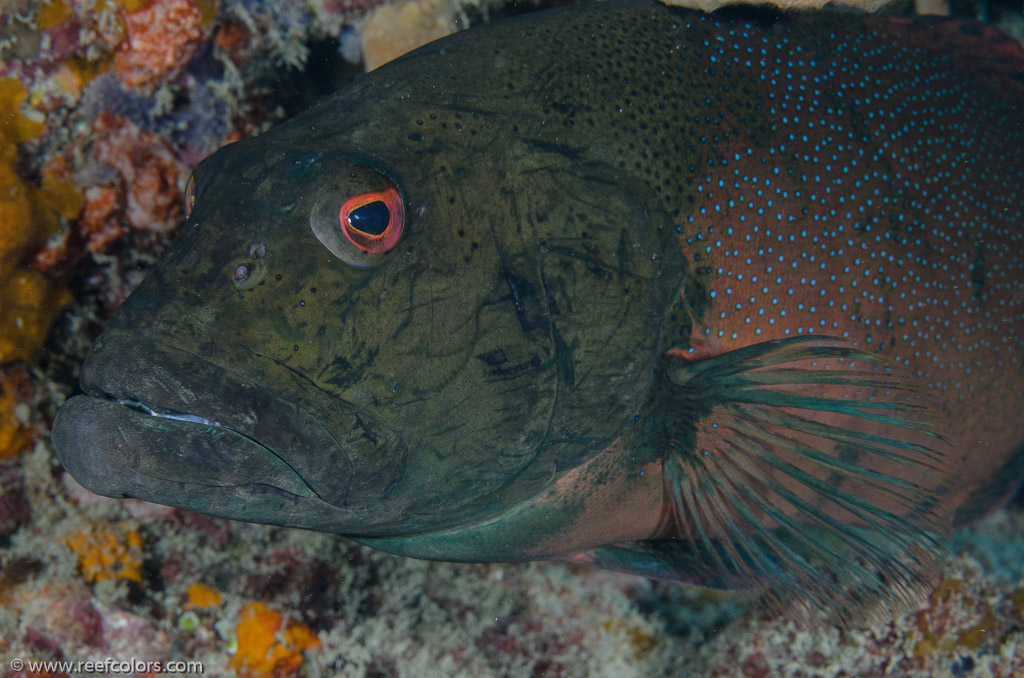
(371, 218)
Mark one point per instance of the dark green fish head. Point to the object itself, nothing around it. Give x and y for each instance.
(360, 338)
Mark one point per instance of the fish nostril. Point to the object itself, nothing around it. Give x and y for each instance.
(257, 250)
(242, 272)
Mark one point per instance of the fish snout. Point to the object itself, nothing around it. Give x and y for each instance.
(165, 424)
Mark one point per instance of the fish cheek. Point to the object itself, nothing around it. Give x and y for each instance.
(521, 332)
(472, 432)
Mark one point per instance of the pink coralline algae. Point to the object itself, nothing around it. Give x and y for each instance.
(64, 622)
(148, 170)
(159, 40)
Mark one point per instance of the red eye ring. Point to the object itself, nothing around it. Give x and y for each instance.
(374, 243)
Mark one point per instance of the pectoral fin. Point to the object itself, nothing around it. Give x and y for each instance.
(805, 467)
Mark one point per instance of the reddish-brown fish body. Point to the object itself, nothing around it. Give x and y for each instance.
(886, 210)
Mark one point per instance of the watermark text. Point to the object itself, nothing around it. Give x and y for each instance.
(109, 665)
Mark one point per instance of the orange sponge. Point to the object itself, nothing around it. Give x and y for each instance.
(264, 649)
(27, 216)
(109, 552)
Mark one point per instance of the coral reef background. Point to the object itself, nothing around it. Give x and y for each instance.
(105, 106)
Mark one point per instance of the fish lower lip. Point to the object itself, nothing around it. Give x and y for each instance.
(118, 448)
(194, 418)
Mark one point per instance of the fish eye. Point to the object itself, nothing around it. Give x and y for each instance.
(190, 195)
(358, 215)
(373, 221)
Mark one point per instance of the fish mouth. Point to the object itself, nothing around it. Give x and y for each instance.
(194, 418)
(117, 449)
(166, 425)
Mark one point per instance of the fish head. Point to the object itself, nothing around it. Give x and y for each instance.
(402, 311)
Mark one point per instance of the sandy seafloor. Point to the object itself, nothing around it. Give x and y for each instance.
(83, 578)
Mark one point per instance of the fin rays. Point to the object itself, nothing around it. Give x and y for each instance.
(816, 475)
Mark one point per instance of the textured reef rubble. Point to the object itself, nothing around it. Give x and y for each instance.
(106, 105)
(88, 578)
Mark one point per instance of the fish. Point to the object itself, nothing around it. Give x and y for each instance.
(734, 299)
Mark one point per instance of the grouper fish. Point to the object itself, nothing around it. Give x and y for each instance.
(735, 299)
